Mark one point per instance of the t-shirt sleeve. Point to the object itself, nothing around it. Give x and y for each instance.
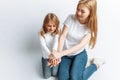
(87, 32)
(68, 21)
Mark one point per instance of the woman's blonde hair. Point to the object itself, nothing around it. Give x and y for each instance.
(92, 19)
(50, 17)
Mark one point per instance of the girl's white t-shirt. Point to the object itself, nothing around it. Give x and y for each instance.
(48, 44)
(76, 32)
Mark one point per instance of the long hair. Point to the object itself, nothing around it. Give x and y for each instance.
(92, 19)
(50, 17)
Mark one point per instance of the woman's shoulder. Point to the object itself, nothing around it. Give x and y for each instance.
(72, 16)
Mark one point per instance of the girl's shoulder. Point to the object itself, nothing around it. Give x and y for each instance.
(41, 36)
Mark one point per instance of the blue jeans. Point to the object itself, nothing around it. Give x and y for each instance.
(47, 71)
(73, 67)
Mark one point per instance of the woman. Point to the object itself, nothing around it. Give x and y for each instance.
(79, 30)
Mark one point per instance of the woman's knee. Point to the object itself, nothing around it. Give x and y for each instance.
(82, 57)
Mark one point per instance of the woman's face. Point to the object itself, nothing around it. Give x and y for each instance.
(82, 13)
(51, 27)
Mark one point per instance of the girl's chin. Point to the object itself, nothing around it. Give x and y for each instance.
(51, 31)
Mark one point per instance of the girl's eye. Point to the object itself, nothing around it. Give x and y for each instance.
(54, 26)
(82, 11)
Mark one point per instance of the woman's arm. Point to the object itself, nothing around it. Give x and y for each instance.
(77, 47)
(62, 38)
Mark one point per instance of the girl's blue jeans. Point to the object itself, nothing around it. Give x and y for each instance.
(47, 71)
(73, 67)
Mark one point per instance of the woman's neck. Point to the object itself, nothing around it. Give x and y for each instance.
(83, 21)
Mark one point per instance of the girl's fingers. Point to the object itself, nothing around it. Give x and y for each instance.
(51, 56)
(49, 64)
(54, 62)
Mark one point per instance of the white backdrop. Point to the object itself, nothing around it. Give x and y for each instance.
(20, 21)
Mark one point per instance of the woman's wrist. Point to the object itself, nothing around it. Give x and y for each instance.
(62, 54)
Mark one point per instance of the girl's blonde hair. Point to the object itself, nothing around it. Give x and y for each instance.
(50, 17)
(92, 19)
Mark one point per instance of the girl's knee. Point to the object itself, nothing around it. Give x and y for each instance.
(47, 75)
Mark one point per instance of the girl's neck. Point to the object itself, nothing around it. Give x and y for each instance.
(49, 33)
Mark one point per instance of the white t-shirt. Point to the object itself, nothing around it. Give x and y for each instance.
(48, 44)
(76, 32)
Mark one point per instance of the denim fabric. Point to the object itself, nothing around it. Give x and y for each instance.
(73, 67)
(47, 71)
(89, 71)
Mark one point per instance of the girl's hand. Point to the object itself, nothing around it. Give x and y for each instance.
(51, 56)
(54, 62)
(51, 63)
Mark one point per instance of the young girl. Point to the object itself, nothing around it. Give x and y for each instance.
(79, 30)
(49, 35)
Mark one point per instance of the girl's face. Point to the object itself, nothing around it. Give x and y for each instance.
(51, 27)
(82, 13)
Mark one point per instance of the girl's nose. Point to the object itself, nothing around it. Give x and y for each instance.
(51, 27)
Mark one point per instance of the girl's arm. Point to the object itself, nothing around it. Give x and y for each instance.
(55, 43)
(60, 46)
(44, 46)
